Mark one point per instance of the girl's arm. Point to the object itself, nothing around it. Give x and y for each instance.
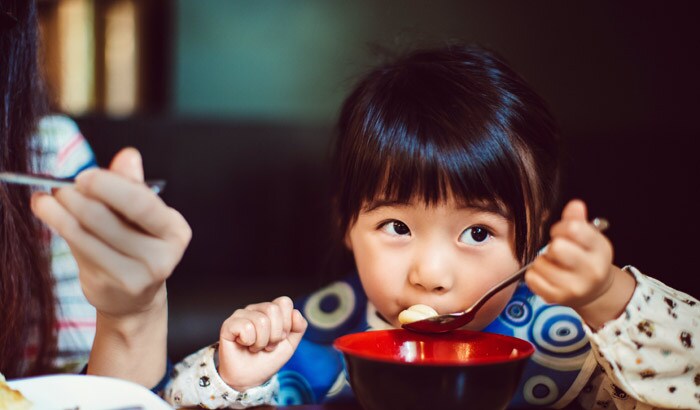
(641, 331)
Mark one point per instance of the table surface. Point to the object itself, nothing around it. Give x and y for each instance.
(335, 406)
(349, 406)
(345, 406)
(353, 406)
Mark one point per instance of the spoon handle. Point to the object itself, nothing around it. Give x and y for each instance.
(156, 185)
(601, 224)
(500, 286)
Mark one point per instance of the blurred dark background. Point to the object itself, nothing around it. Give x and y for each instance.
(234, 103)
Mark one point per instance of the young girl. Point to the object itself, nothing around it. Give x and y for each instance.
(446, 178)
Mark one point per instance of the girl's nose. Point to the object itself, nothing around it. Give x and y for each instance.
(431, 273)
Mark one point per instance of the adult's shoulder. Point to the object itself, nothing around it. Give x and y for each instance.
(61, 149)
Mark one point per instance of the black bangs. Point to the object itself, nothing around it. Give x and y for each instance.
(434, 164)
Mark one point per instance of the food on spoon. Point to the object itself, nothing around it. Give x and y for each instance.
(11, 399)
(415, 313)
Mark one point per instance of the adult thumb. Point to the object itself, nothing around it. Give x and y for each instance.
(128, 163)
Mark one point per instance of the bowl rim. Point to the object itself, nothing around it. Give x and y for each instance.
(525, 349)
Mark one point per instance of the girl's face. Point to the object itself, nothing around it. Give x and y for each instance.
(445, 256)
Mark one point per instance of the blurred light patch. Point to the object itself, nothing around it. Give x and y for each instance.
(121, 58)
(77, 54)
(93, 54)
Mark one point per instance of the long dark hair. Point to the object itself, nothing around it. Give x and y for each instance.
(27, 303)
(451, 120)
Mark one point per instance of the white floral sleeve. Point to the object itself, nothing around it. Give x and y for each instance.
(650, 354)
(196, 382)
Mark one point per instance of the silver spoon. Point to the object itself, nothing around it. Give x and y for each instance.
(157, 185)
(452, 321)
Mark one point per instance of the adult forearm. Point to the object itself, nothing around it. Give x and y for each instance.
(132, 348)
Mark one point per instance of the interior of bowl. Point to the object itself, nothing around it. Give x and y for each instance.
(459, 347)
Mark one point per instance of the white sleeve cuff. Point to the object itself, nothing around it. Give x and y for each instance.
(196, 382)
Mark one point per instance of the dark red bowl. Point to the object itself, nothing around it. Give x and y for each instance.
(399, 369)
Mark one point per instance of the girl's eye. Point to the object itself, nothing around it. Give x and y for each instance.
(475, 235)
(397, 228)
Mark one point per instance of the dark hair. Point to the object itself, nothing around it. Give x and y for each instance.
(7, 18)
(452, 120)
(27, 302)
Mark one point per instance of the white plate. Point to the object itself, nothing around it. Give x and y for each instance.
(71, 391)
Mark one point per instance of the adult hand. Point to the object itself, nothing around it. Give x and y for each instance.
(126, 242)
(257, 341)
(125, 239)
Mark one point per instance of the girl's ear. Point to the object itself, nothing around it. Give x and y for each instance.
(540, 230)
(545, 224)
(347, 241)
(545, 219)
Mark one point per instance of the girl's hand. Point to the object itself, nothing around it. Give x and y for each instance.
(257, 341)
(576, 270)
(125, 239)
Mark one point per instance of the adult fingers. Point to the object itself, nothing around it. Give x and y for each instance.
(101, 221)
(86, 247)
(49, 210)
(136, 202)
